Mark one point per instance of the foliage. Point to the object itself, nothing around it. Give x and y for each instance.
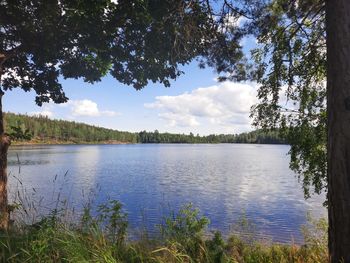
(42, 129)
(289, 63)
(185, 230)
(258, 136)
(19, 134)
(134, 41)
(295, 50)
(316, 237)
(116, 224)
(55, 240)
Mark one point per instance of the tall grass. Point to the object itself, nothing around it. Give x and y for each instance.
(103, 238)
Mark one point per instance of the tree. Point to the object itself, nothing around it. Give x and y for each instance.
(135, 41)
(338, 107)
(303, 65)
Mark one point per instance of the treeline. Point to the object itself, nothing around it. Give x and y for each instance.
(258, 136)
(40, 128)
(44, 129)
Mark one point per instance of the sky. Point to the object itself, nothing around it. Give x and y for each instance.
(196, 102)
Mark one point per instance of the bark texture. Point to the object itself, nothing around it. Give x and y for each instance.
(338, 107)
(4, 145)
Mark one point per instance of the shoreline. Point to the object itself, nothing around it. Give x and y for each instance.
(42, 143)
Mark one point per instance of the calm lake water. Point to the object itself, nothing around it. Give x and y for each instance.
(225, 181)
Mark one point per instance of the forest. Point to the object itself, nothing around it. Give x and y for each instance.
(41, 129)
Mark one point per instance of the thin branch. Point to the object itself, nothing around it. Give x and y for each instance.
(237, 11)
(303, 20)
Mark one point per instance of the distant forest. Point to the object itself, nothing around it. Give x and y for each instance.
(38, 129)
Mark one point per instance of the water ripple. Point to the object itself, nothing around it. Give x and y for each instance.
(224, 181)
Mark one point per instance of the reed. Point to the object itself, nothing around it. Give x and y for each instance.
(103, 238)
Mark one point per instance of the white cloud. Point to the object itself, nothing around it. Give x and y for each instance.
(226, 105)
(88, 108)
(84, 108)
(178, 120)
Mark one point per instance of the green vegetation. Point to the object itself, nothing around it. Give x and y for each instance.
(258, 136)
(39, 129)
(44, 130)
(290, 63)
(103, 238)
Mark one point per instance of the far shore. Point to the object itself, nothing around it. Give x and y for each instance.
(109, 142)
(58, 142)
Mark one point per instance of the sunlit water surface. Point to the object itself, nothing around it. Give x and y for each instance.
(225, 181)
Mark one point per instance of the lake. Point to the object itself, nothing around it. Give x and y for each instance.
(225, 181)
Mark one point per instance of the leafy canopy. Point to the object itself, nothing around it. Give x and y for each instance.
(135, 41)
(289, 63)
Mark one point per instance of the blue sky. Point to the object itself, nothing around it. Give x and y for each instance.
(195, 102)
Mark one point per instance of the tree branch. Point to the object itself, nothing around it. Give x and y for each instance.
(237, 11)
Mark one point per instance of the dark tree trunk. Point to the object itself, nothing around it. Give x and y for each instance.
(338, 106)
(4, 145)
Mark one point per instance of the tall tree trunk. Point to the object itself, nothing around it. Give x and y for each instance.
(338, 106)
(4, 145)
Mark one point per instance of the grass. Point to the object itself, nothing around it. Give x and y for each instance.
(103, 238)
